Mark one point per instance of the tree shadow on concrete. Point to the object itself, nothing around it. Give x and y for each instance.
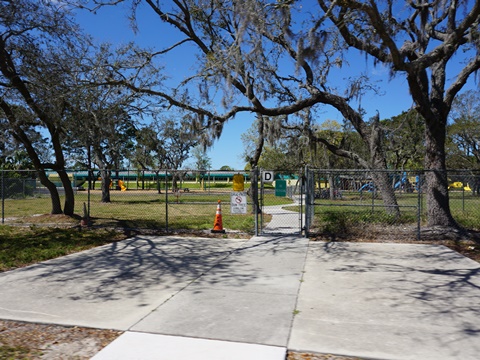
(417, 285)
(128, 268)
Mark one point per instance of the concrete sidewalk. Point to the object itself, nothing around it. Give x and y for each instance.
(388, 301)
(239, 292)
(198, 298)
(144, 346)
(283, 221)
(243, 306)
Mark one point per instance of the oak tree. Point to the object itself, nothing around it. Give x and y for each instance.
(277, 59)
(35, 42)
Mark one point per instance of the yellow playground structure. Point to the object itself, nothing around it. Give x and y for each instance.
(457, 185)
(120, 185)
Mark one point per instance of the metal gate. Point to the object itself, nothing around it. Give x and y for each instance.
(281, 198)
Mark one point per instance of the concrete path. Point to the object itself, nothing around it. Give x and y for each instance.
(241, 293)
(112, 286)
(249, 297)
(388, 301)
(284, 221)
(144, 346)
(197, 298)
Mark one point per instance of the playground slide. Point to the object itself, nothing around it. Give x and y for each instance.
(122, 185)
(367, 187)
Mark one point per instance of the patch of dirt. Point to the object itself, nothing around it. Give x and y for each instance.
(57, 220)
(30, 341)
(291, 355)
(229, 234)
(395, 233)
(20, 340)
(465, 242)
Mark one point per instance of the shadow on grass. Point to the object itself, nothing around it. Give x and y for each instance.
(21, 246)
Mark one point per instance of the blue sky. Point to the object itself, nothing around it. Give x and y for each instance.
(112, 25)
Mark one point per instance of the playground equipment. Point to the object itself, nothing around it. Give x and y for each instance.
(457, 185)
(122, 186)
(404, 184)
(368, 187)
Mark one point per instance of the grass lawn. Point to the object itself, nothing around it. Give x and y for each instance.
(196, 209)
(24, 245)
(354, 208)
(145, 209)
(49, 236)
(21, 246)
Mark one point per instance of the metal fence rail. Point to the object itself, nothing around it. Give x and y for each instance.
(163, 199)
(318, 200)
(346, 199)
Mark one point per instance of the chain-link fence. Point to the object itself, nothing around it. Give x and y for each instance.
(363, 203)
(163, 199)
(18, 190)
(335, 202)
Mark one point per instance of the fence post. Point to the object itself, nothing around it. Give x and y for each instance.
(166, 200)
(89, 188)
(419, 204)
(261, 198)
(309, 195)
(374, 190)
(254, 183)
(3, 198)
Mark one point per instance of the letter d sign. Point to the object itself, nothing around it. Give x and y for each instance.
(268, 176)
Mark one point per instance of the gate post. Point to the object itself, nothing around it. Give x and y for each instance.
(3, 197)
(309, 199)
(419, 204)
(166, 200)
(254, 195)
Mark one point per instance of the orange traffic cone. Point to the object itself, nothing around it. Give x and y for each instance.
(217, 225)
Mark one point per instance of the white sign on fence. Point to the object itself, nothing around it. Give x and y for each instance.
(267, 176)
(238, 203)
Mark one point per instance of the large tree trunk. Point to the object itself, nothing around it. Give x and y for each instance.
(105, 185)
(331, 186)
(69, 206)
(438, 204)
(373, 137)
(381, 178)
(22, 137)
(383, 183)
(175, 181)
(54, 197)
(92, 178)
(159, 188)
